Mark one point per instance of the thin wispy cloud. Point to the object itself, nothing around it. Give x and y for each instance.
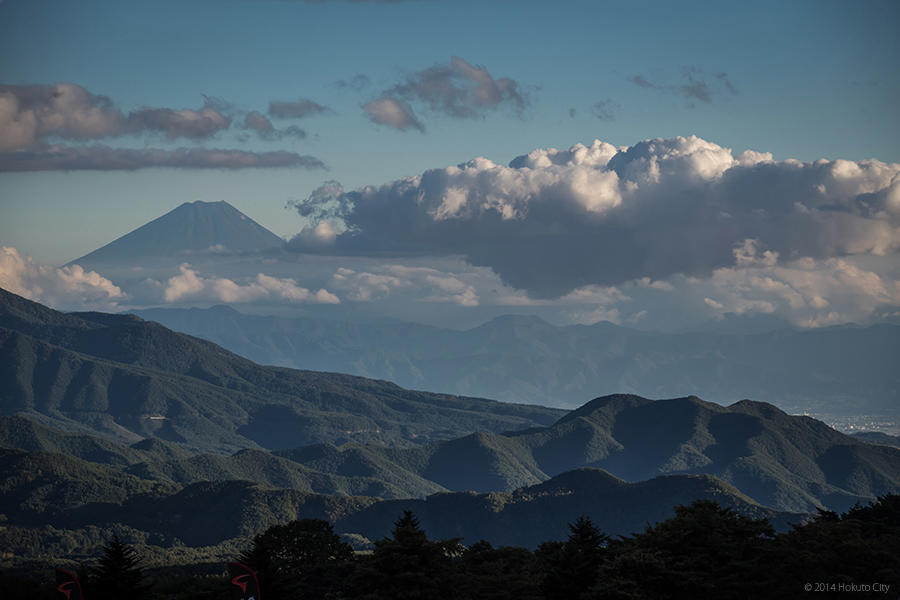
(694, 86)
(295, 109)
(457, 89)
(605, 110)
(357, 83)
(259, 124)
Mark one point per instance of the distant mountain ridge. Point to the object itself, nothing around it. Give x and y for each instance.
(877, 437)
(791, 463)
(839, 370)
(193, 227)
(125, 377)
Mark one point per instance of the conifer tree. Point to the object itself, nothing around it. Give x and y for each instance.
(572, 567)
(408, 566)
(118, 574)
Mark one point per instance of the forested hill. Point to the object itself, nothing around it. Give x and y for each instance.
(123, 376)
(792, 463)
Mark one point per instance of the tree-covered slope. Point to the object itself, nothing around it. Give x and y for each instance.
(122, 376)
(361, 471)
(792, 463)
(41, 490)
(529, 515)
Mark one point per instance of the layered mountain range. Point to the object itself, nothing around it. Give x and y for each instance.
(49, 482)
(114, 423)
(835, 370)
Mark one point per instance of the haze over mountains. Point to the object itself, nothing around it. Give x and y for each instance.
(839, 370)
(836, 370)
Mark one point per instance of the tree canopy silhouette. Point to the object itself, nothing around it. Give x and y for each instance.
(298, 559)
(408, 566)
(118, 574)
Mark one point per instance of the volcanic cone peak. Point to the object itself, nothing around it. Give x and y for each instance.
(192, 228)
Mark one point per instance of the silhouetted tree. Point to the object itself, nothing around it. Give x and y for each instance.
(571, 568)
(118, 574)
(407, 566)
(488, 573)
(704, 551)
(861, 545)
(301, 559)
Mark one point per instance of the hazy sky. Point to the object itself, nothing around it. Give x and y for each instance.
(113, 113)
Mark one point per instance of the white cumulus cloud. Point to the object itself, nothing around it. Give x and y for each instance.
(553, 221)
(69, 287)
(188, 285)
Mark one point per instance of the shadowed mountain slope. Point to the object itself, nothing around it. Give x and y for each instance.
(122, 376)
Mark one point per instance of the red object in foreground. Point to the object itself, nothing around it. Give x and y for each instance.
(244, 584)
(67, 586)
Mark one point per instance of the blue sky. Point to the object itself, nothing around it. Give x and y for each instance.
(804, 80)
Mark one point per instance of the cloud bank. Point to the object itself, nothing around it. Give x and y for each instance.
(35, 119)
(31, 113)
(100, 157)
(557, 220)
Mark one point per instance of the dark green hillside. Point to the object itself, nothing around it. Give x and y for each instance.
(37, 487)
(262, 467)
(360, 472)
(208, 513)
(788, 462)
(128, 378)
(47, 498)
(367, 462)
(529, 515)
(21, 433)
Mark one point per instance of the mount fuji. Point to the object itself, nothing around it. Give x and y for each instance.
(192, 228)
